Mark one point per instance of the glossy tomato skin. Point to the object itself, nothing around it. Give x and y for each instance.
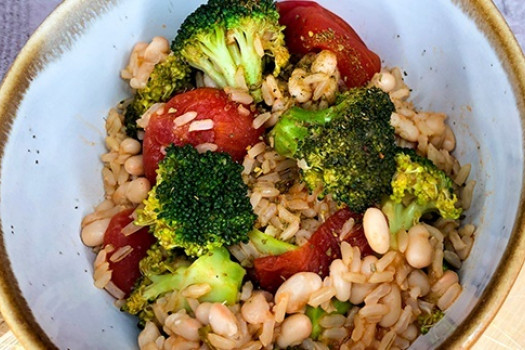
(126, 271)
(315, 256)
(312, 28)
(232, 131)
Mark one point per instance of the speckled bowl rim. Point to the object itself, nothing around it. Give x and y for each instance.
(70, 18)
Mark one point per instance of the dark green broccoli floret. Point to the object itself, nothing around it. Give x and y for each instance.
(164, 271)
(418, 187)
(428, 320)
(268, 245)
(168, 77)
(348, 148)
(316, 313)
(221, 37)
(199, 202)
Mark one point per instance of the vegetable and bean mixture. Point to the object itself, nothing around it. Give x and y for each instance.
(270, 185)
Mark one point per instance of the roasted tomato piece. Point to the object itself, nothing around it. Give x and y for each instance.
(312, 28)
(222, 121)
(314, 256)
(125, 268)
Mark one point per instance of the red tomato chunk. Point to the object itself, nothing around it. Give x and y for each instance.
(312, 28)
(232, 131)
(316, 255)
(126, 271)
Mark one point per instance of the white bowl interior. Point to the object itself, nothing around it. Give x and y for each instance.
(51, 169)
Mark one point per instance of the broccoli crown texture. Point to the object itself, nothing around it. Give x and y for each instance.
(199, 202)
(418, 187)
(428, 320)
(168, 77)
(165, 271)
(348, 148)
(232, 41)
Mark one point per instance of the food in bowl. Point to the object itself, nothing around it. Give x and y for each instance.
(270, 184)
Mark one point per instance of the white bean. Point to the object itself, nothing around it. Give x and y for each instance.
(376, 230)
(448, 298)
(93, 234)
(342, 287)
(130, 146)
(299, 287)
(418, 278)
(449, 278)
(222, 320)
(202, 313)
(419, 250)
(134, 165)
(294, 330)
(256, 309)
(393, 301)
(386, 82)
(182, 324)
(137, 190)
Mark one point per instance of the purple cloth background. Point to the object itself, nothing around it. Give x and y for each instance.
(19, 18)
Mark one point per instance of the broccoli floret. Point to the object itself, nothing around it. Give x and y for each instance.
(221, 37)
(348, 148)
(316, 313)
(418, 187)
(199, 202)
(168, 77)
(428, 320)
(268, 245)
(164, 271)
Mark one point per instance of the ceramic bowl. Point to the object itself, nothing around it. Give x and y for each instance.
(459, 57)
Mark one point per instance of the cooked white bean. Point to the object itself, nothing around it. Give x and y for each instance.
(298, 287)
(419, 250)
(202, 313)
(93, 233)
(342, 287)
(294, 330)
(130, 146)
(138, 189)
(386, 82)
(418, 278)
(183, 325)
(134, 165)
(393, 301)
(449, 278)
(222, 320)
(376, 230)
(256, 309)
(448, 298)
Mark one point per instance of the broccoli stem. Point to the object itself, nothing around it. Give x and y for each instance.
(269, 245)
(315, 315)
(402, 217)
